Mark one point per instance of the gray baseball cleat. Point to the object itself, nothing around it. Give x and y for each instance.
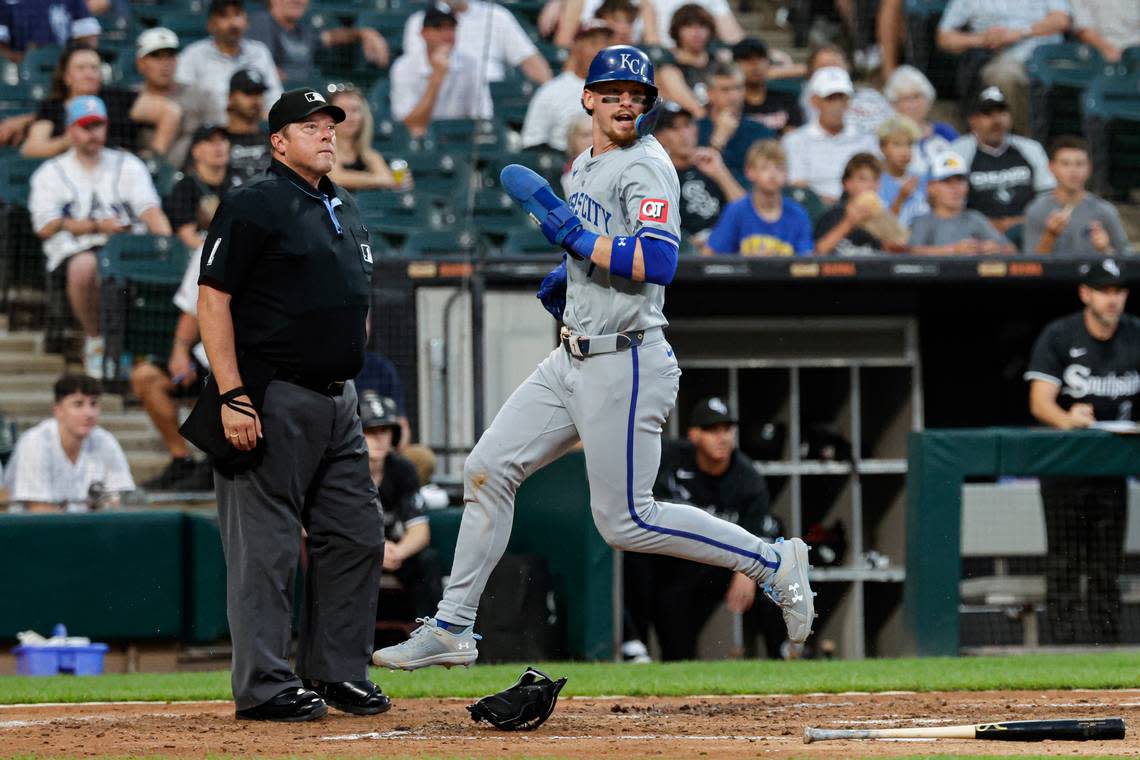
(790, 590)
(430, 645)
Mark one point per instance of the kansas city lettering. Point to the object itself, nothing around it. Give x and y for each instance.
(589, 210)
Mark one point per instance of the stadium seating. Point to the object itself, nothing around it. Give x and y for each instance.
(188, 25)
(546, 162)
(16, 99)
(807, 198)
(458, 243)
(444, 175)
(389, 23)
(390, 137)
(38, 65)
(922, 18)
(1059, 73)
(465, 134)
(393, 217)
(511, 98)
(15, 176)
(1111, 107)
(528, 240)
(495, 214)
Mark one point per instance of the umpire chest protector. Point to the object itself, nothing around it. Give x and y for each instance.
(297, 261)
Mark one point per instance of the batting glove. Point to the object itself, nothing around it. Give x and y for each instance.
(558, 223)
(552, 291)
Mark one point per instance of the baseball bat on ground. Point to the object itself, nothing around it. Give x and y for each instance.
(1067, 729)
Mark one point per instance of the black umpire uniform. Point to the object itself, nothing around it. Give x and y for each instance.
(679, 596)
(1085, 516)
(296, 262)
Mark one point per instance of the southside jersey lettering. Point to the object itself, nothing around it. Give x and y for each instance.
(1104, 373)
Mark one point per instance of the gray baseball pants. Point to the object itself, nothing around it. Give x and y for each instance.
(616, 404)
(314, 475)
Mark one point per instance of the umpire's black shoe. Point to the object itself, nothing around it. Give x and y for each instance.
(356, 697)
(290, 706)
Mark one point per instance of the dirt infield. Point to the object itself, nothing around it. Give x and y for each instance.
(720, 727)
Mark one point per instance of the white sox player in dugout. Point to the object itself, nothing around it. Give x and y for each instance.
(611, 383)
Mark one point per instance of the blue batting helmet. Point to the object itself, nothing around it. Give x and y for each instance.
(623, 63)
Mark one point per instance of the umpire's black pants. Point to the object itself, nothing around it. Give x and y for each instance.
(314, 475)
(1084, 526)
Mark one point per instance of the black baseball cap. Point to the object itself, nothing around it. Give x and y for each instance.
(248, 81)
(378, 411)
(749, 47)
(711, 411)
(1102, 274)
(217, 6)
(438, 14)
(670, 113)
(299, 104)
(205, 132)
(989, 100)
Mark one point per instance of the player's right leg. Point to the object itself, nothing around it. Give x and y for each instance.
(531, 430)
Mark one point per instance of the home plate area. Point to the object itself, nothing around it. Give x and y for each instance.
(626, 727)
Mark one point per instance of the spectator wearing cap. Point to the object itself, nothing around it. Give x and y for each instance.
(1006, 171)
(283, 299)
(249, 142)
(868, 108)
(81, 198)
(707, 185)
(724, 129)
(996, 40)
(26, 24)
(486, 34)
(951, 229)
(79, 73)
(438, 80)
(911, 95)
(557, 102)
(778, 111)
(407, 554)
(380, 376)
(160, 386)
(156, 57)
(764, 223)
(211, 63)
(677, 597)
(1084, 371)
(818, 152)
(1070, 220)
(294, 41)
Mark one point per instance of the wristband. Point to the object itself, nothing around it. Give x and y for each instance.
(621, 257)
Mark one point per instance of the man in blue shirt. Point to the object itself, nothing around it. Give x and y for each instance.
(764, 223)
(724, 128)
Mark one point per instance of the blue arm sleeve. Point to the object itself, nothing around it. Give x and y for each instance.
(660, 259)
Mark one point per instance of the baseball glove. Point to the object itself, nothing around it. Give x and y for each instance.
(524, 706)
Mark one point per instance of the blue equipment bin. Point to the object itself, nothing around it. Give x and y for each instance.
(50, 661)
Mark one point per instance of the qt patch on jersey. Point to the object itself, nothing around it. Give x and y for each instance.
(654, 210)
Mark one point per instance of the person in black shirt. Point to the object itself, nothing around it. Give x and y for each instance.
(406, 530)
(194, 198)
(283, 300)
(706, 183)
(677, 597)
(249, 143)
(778, 111)
(1085, 370)
(841, 229)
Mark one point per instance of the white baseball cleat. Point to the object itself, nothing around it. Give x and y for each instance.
(430, 645)
(790, 590)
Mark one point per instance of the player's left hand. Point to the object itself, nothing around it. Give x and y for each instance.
(741, 593)
(552, 291)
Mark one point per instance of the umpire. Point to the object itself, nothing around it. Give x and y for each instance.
(1085, 368)
(284, 295)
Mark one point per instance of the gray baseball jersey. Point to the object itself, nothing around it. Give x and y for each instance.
(614, 403)
(624, 192)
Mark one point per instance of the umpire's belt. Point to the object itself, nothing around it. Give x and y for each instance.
(316, 384)
(582, 346)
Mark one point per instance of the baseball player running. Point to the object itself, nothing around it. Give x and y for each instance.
(611, 383)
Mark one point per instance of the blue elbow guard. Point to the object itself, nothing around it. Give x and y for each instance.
(660, 259)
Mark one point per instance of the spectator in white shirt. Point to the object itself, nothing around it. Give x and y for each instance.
(490, 36)
(556, 103)
(1110, 26)
(817, 152)
(81, 198)
(441, 82)
(210, 63)
(67, 461)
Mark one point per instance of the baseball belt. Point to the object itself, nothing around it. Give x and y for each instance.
(581, 346)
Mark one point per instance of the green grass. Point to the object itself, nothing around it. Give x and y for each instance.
(1085, 671)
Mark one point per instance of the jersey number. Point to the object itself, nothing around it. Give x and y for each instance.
(653, 210)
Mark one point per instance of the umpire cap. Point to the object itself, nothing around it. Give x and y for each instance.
(296, 105)
(378, 411)
(623, 63)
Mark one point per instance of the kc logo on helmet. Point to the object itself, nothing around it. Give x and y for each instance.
(654, 210)
(636, 65)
